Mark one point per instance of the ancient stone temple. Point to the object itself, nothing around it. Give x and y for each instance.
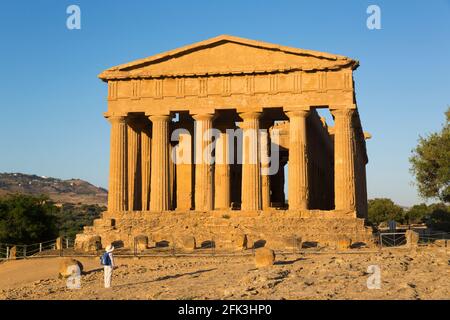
(206, 140)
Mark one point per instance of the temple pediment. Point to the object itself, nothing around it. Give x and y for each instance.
(228, 55)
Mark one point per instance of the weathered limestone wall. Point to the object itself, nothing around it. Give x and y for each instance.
(228, 229)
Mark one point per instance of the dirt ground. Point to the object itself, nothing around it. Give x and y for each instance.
(405, 274)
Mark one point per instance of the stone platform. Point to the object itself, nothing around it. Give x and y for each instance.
(227, 230)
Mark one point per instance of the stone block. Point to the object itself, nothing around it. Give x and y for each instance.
(441, 243)
(287, 242)
(88, 243)
(105, 223)
(187, 243)
(264, 257)
(67, 267)
(239, 241)
(412, 238)
(141, 242)
(343, 243)
(59, 243)
(12, 253)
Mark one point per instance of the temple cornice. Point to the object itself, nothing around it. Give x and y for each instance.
(190, 61)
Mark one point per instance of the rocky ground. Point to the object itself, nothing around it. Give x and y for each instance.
(405, 274)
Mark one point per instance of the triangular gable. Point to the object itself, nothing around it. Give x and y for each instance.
(228, 55)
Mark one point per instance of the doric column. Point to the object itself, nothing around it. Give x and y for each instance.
(265, 165)
(251, 166)
(134, 164)
(222, 196)
(145, 166)
(298, 193)
(159, 190)
(117, 196)
(203, 166)
(344, 168)
(183, 157)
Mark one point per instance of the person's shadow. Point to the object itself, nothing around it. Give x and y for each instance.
(178, 275)
(288, 261)
(84, 273)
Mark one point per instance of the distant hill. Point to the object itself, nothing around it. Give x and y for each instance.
(61, 191)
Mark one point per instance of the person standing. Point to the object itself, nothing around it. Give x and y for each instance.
(107, 260)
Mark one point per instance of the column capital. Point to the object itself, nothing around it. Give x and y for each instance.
(116, 118)
(347, 112)
(203, 116)
(250, 115)
(162, 117)
(297, 113)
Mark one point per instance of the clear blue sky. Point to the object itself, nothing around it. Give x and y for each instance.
(52, 102)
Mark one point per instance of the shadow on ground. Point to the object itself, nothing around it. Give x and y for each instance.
(168, 277)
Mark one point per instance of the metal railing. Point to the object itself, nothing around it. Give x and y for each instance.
(46, 248)
(398, 239)
(392, 239)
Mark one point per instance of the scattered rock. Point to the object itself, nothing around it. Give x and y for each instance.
(141, 242)
(59, 243)
(309, 282)
(412, 238)
(188, 243)
(12, 253)
(343, 243)
(88, 243)
(264, 257)
(440, 243)
(68, 267)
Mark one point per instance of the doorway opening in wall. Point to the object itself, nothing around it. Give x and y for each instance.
(319, 158)
(279, 146)
(320, 143)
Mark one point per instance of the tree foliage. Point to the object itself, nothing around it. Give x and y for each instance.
(71, 218)
(26, 219)
(383, 210)
(417, 213)
(430, 162)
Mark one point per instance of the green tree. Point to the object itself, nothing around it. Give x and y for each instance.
(72, 218)
(383, 210)
(417, 213)
(439, 217)
(26, 219)
(430, 162)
